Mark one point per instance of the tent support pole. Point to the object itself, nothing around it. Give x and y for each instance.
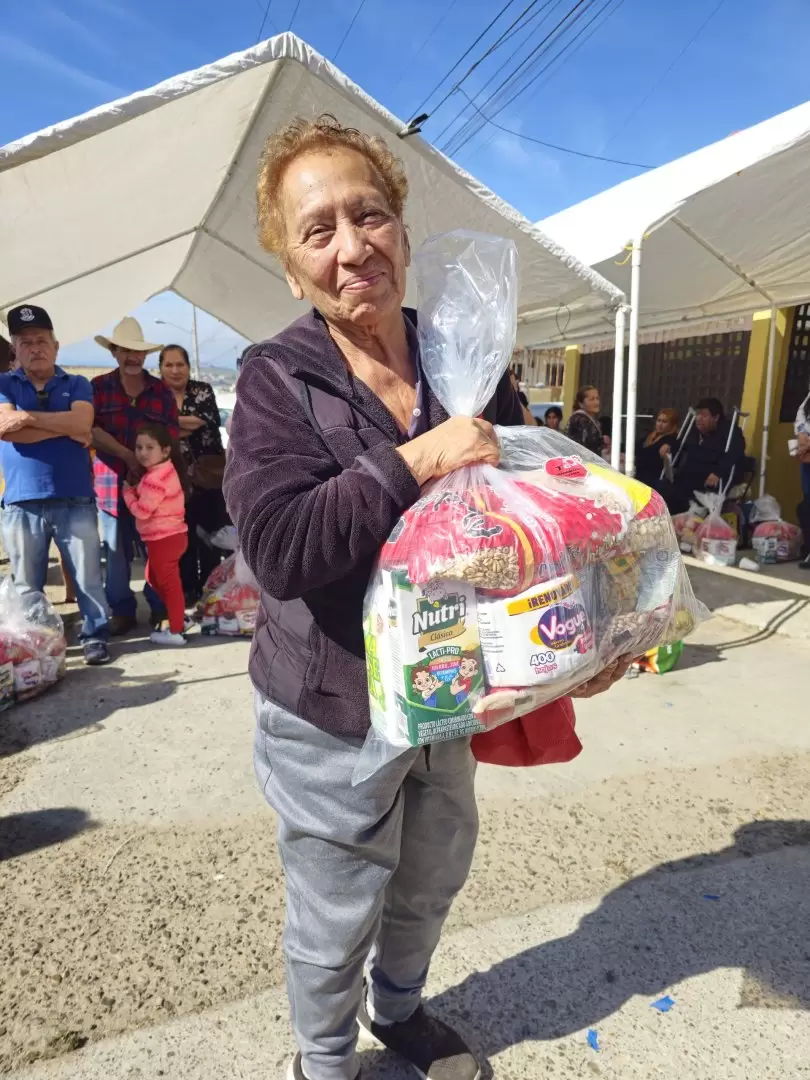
(618, 388)
(766, 420)
(632, 359)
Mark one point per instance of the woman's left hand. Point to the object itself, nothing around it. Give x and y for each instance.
(605, 679)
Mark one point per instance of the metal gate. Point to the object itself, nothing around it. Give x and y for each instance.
(676, 374)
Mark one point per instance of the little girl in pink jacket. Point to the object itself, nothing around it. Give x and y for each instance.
(158, 505)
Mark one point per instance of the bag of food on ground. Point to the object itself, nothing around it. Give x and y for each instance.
(33, 648)
(715, 539)
(503, 589)
(773, 539)
(687, 524)
(230, 599)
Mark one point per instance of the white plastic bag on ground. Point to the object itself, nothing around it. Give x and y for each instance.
(230, 599)
(715, 539)
(773, 539)
(33, 648)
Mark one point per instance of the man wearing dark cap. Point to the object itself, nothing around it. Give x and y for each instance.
(46, 417)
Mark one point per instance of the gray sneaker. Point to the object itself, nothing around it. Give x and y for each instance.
(433, 1049)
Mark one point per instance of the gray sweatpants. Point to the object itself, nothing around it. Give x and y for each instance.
(371, 873)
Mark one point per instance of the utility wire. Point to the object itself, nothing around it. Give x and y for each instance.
(554, 146)
(442, 19)
(292, 17)
(592, 26)
(264, 21)
(511, 59)
(525, 42)
(543, 45)
(471, 129)
(495, 45)
(634, 112)
(359, 8)
(463, 57)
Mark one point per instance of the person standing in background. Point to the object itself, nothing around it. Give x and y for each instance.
(583, 424)
(204, 458)
(46, 417)
(125, 399)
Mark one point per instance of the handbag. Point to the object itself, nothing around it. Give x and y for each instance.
(546, 736)
(207, 471)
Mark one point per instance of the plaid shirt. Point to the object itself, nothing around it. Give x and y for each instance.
(121, 416)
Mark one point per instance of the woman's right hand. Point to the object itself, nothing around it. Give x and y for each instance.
(457, 442)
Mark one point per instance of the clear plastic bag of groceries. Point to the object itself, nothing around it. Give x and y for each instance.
(33, 648)
(774, 540)
(502, 589)
(230, 599)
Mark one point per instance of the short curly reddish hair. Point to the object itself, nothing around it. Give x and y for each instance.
(301, 136)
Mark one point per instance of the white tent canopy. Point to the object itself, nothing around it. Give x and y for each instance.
(720, 232)
(156, 191)
(726, 229)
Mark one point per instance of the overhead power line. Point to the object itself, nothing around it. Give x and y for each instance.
(423, 45)
(292, 17)
(359, 8)
(555, 146)
(578, 41)
(554, 36)
(264, 21)
(634, 112)
(463, 57)
(471, 128)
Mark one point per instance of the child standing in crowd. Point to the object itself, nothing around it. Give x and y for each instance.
(158, 506)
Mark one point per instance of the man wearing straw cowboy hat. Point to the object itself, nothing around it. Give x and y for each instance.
(124, 399)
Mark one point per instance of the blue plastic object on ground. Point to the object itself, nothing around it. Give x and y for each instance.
(593, 1040)
(663, 1004)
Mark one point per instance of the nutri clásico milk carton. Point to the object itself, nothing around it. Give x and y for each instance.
(542, 635)
(423, 657)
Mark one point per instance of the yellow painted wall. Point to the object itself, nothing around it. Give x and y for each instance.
(573, 358)
(783, 480)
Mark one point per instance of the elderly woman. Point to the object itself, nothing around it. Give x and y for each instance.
(204, 456)
(334, 432)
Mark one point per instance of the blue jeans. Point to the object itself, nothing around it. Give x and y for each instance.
(805, 467)
(72, 524)
(118, 537)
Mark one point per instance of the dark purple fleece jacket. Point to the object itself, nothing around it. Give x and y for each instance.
(314, 485)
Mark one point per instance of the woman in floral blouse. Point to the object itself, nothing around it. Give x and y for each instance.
(204, 456)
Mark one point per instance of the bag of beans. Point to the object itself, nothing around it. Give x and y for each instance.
(503, 589)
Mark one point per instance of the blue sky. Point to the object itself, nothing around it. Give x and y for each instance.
(612, 96)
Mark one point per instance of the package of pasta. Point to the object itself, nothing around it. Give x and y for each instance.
(504, 588)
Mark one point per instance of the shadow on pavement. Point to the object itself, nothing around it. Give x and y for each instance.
(78, 705)
(650, 934)
(22, 833)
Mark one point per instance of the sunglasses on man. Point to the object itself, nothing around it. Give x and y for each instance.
(43, 400)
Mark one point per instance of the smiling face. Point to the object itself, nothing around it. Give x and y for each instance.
(346, 251)
(468, 667)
